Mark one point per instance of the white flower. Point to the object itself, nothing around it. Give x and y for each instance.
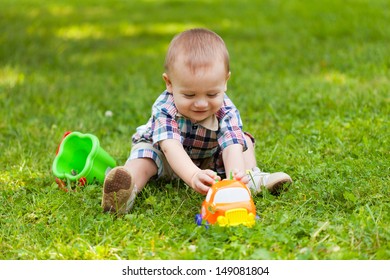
(108, 114)
(192, 248)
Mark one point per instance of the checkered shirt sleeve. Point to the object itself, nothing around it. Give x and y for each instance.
(230, 126)
(164, 125)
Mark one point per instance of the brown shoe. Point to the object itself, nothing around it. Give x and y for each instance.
(275, 183)
(118, 194)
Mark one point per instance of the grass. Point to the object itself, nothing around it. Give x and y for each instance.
(311, 80)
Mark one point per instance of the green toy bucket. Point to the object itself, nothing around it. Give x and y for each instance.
(80, 156)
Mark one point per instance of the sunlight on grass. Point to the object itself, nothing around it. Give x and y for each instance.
(18, 176)
(335, 77)
(170, 28)
(9, 181)
(89, 11)
(33, 13)
(168, 1)
(78, 32)
(57, 10)
(129, 29)
(93, 31)
(10, 77)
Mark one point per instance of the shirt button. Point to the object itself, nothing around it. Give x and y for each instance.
(194, 126)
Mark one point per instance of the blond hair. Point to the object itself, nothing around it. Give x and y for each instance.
(198, 48)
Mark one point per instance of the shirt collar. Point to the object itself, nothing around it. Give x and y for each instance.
(210, 123)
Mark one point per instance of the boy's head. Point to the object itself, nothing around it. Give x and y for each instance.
(197, 48)
(196, 72)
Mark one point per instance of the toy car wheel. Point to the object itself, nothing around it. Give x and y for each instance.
(198, 219)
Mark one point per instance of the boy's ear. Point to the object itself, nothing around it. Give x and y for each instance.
(227, 79)
(168, 82)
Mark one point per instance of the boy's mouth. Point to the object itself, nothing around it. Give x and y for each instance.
(198, 116)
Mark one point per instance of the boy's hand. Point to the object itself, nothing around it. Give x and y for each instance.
(240, 176)
(203, 179)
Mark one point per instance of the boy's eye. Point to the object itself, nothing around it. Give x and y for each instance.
(212, 95)
(188, 95)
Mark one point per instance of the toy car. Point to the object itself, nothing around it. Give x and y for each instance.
(228, 203)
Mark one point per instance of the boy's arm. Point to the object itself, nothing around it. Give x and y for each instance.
(233, 159)
(182, 165)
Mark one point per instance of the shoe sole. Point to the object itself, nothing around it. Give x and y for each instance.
(278, 187)
(118, 187)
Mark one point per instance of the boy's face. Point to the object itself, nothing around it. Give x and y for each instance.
(197, 95)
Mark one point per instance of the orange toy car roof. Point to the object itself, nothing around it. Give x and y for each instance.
(220, 207)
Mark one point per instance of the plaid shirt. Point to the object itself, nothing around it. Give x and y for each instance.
(199, 142)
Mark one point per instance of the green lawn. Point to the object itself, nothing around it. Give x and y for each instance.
(311, 79)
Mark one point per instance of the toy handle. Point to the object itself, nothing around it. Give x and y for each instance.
(63, 137)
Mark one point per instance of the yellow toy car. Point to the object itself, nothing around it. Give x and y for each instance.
(228, 203)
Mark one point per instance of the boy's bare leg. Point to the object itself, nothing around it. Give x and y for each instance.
(122, 184)
(249, 154)
(141, 170)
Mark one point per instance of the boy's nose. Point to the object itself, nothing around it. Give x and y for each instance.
(200, 103)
